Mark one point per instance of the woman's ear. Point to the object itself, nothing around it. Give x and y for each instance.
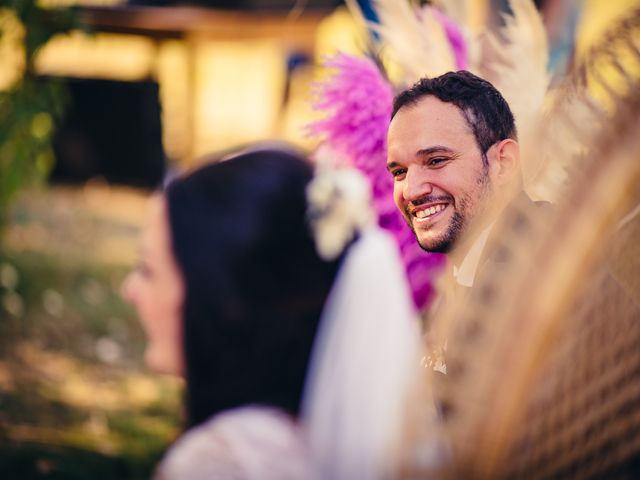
(504, 162)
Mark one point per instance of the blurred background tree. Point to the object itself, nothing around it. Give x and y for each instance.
(29, 104)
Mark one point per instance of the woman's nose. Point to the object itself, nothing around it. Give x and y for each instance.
(127, 288)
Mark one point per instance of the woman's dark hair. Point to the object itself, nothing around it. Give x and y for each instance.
(255, 285)
(485, 110)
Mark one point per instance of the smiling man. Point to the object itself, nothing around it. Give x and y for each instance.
(455, 160)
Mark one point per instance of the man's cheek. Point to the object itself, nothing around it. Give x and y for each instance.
(397, 199)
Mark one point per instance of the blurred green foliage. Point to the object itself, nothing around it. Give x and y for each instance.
(69, 407)
(30, 107)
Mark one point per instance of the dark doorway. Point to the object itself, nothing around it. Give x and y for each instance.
(111, 129)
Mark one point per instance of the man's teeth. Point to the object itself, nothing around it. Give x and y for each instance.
(427, 212)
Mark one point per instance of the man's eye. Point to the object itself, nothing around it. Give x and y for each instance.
(398, 173)
(437, 160)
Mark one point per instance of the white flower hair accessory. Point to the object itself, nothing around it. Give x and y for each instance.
(339, 201)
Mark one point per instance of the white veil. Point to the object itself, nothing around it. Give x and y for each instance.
(365, 359)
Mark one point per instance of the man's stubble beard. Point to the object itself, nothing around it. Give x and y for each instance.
(460, 219)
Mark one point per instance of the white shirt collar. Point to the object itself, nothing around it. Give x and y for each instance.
(465, 273)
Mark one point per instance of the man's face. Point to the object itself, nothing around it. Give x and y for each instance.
(440, 181)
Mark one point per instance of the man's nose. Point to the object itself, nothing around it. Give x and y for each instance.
(416, 185)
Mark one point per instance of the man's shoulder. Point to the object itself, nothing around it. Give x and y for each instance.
(519, 213)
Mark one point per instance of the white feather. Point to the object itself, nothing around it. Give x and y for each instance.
(524, 80)
(458, 10)
(520, 73)
(560, 137)
(419, 45)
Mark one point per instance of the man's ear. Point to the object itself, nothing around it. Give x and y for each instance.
(504, 162)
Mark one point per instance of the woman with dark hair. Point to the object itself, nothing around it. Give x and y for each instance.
(231, 290)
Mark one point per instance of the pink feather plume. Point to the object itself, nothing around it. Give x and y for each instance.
(358, 102)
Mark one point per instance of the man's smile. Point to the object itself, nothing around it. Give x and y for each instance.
(425, 211)
(428, 211)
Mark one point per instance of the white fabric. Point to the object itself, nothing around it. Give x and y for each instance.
(365, 358)
(248, 443)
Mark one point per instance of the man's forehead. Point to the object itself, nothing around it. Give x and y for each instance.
(431, 110)
(427, 122)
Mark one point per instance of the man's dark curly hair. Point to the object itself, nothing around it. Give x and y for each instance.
(483, 107)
